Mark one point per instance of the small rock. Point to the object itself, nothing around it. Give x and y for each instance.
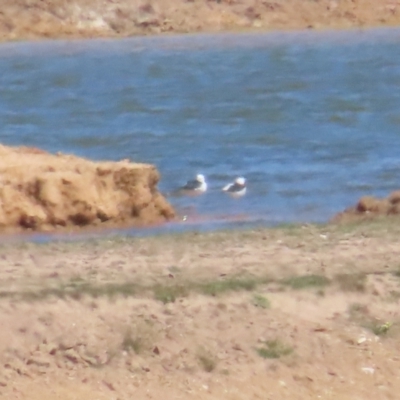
(66, 343)
(39, 362)
(50, 348)
(109, 385)
(18, 366)
(368, 370)
(91, 360)
(72, 355)
(237, 347)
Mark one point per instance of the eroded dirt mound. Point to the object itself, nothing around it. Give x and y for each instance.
(370, 207)
(27, 19)
(42, 191)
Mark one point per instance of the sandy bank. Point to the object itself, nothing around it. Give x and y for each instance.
(369, 207)
(226, 315)
(30, 19)
(42, 191)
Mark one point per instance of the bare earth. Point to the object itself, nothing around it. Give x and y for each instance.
(290, 313)
(36, 19)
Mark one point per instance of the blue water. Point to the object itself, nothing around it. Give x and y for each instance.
(311, 119)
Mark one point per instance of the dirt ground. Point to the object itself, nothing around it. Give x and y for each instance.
(297, 312)
(37, 19)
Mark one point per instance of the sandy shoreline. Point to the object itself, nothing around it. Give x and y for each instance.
(41, 19)
(228, 314)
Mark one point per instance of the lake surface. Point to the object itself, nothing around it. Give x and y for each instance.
(311, 119)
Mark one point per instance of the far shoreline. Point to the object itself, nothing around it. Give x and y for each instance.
(277, 34)
(115, 237)
(177, 230)
(37, 20)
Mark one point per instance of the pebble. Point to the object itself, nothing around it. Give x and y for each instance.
(368, 370)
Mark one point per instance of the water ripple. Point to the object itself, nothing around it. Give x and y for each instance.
(311, 119)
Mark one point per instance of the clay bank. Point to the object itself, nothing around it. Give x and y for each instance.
(370, 207)
(44, 192)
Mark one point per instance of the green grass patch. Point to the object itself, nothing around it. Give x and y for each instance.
(232, 284)
(359, 313)
(377, 327)
(166, 292)
(274, 349)
(261, 301)
(169, 294)
(214, 288)
(306, 281)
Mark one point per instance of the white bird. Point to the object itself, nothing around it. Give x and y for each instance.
(195, 186)
(237, 188)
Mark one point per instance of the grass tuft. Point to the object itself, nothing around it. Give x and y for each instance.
(214, 288)
(379, 329)
(306, 281)
(77, 290)
(352, 282)
(206, 360)
(360, 314)
(261, 301)
(274, 349)
(168, 294)
(130, 342)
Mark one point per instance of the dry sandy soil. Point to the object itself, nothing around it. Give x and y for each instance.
(30, 19)
(297, 312)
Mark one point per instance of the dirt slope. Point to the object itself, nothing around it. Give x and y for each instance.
(42, 191)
